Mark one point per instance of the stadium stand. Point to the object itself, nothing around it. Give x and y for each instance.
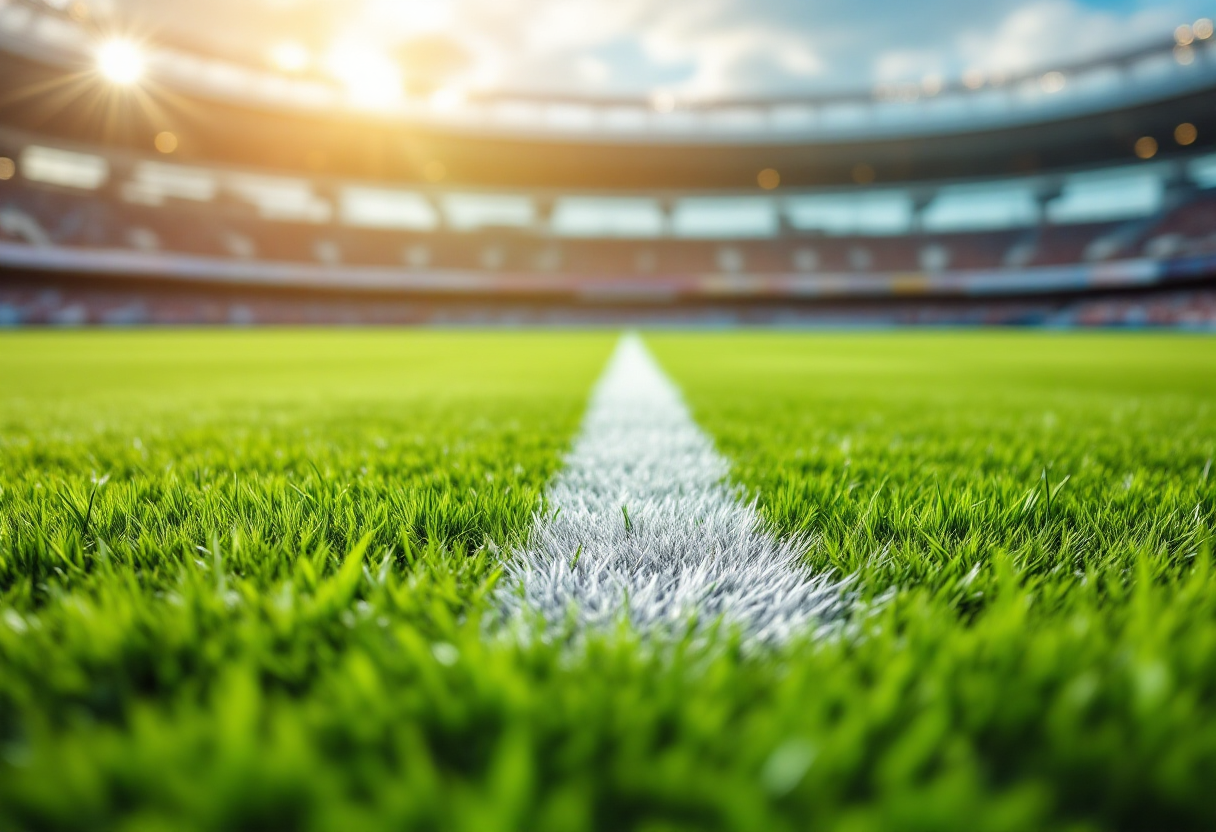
(1068, 203)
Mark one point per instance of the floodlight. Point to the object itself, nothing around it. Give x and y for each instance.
(371, 79)
(120, 61)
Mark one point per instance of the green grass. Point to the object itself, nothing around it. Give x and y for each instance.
(271, 616)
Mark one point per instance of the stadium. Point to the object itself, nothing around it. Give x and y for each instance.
(653, 415)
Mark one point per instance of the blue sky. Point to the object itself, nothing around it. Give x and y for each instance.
(689, 47)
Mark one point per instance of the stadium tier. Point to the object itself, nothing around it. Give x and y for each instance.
(87, 224)
(220, 192)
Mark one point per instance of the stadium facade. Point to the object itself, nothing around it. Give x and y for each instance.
(218, 193)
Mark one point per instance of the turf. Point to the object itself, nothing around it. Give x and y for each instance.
(1034, 513)
(272, 615)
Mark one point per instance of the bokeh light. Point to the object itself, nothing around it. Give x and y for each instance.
(8, 168)
(768, 179)
(663, 101)
(166, 142)
(1052, 82)
(1185, 134)
(973, 79)
(1146, 147)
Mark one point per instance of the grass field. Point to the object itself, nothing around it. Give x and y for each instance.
(244, 581)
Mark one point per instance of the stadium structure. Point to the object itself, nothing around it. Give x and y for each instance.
(175, 186)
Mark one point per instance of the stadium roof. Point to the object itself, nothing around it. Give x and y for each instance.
(142, 76)
(777, 72)
(692, 49)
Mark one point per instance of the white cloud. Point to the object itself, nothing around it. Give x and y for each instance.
(695, 47)
(1038, 33)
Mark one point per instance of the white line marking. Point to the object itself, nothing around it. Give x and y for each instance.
(644, 526)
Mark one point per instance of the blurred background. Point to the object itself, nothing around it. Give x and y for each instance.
(569, 162)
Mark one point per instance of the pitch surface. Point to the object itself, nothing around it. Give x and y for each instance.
(643, 527)
(244, 581)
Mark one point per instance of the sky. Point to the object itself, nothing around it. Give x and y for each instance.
(688, 48)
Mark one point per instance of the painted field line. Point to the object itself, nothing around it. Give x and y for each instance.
(644, 526)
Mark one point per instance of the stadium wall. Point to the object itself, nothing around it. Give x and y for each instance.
(1179, 293)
